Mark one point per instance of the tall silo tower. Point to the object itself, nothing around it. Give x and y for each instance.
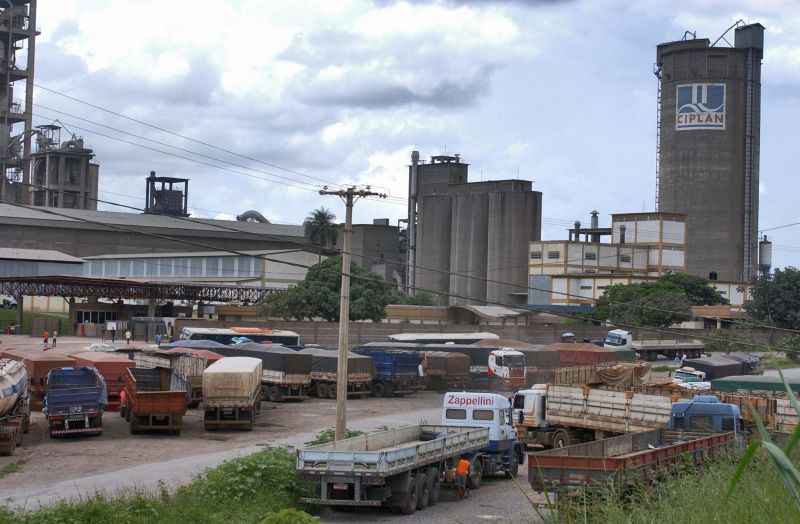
(709, 133)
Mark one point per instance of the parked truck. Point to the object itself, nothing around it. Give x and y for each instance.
(624, 459)
(324, 368)
(396, 370)
(404, 468)
(74, 401)
(548, 416)
(232, 393)
(286, 373)
(154, 399)
(619, 339)
(15, 408)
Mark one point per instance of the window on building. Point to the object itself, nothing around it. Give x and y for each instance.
(625, 259)
(586, 288)
(536, 255)
(553, 255)
(244, 266)
(590, 255)
(196, 269)
(228, 267)
(73, 168)
(181, 267)
(483, 414)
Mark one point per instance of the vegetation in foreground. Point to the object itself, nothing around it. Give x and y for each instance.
(258, 488)
(696, 498)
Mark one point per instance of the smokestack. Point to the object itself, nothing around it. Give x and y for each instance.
(411, 270)
(595, 224)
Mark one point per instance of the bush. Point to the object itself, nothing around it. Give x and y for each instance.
(329, 435)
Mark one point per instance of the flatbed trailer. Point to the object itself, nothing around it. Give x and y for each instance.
(623, 460)
(155, 399)
(651, 349)
(397, 467)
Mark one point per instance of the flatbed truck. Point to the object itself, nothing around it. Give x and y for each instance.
(154, 399)
(651, 349)
(405, 468)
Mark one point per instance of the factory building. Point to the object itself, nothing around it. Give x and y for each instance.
(63, 175)
(17, 33)
(575, 273)
(469, 241)
(709, 118)
(377, 247)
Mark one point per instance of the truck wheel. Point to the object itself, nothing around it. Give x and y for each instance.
(332, 391)
(319, 390)
(26, 423)
(379, 389)
(423, 491)
(475, 474)
(409, 504)
(434, 486)
(560, 439)
(134, 426)
(275, 394)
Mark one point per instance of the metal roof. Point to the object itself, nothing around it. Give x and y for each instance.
(38, 255)
(21, 215)
(258, 252)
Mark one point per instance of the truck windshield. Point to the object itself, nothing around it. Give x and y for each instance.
(514, 361)
(687, 376)
(614, 340)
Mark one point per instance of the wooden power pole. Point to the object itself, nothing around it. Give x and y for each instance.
(349, 195)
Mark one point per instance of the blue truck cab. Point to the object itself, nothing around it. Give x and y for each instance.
(504, 453)
(396, 370)
(75, 401)
(705, 413)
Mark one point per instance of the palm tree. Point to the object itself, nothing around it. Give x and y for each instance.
(320, 227)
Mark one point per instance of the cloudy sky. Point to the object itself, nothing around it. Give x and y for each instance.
(340, 91)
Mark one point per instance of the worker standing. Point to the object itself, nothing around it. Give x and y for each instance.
(462, 472)
(55, 337)
(45, 337)
(128, 336)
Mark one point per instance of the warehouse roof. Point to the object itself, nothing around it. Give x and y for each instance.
(38, 255)
(76, 218)
(257, 252)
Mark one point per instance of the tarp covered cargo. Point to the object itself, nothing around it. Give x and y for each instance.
(112, 366)
(717, 366)
(195, 344)
(326, 361)
(583, 354)
(441, 363)
(769, 382)
(541, 358)
(39, 363)
(274, 357)
(232, 379)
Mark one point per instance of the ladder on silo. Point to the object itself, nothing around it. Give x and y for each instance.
(657, 72)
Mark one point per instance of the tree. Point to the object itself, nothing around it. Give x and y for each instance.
(776, 299)
(275, 305)
(320, 228)
(646, 304)
(697, 289)
(317, 296)
(420, 298)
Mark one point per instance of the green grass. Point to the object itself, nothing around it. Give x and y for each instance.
(10, 468)
(329, 435)
(245, 490)
(772, 361)
(696, 498)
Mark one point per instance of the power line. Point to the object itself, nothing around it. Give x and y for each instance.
(780, 227)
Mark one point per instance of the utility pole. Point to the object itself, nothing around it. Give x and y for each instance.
(349, 195)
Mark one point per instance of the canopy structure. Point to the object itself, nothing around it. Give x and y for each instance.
(61, 286)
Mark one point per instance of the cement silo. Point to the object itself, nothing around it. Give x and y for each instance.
(468, 245)
(515, 219)
(433, 245)
(709, 133)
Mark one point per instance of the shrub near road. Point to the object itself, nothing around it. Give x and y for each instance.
(245, 490)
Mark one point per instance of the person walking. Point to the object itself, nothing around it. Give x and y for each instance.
(55, 336)
(128, 336)
(45, 337)
(462, 472)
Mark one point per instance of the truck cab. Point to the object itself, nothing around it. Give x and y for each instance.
(508, 365)
(687, 374)
(618, 339)
(485, 410)
(707, 414)
(528, 407)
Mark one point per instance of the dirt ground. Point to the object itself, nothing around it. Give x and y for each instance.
(42, 460)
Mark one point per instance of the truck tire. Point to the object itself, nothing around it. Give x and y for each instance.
(275, 394)
(423, 491)
(379, 389)
(134, 426)
(475, 474)
(409, 503)
(560, 439)
(434, 486)
(320, 390)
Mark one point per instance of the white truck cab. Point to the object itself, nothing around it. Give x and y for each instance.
(508, 365)
(487, 410)
(618, 339)
(528, 407)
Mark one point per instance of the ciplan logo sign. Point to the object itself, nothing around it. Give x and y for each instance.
(700, 106)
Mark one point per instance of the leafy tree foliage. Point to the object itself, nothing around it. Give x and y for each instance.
(420, 298)
(776, 299)
(320, 228)
(660, 303)
(318, 295)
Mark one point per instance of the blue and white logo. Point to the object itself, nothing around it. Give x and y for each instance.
(700, 106)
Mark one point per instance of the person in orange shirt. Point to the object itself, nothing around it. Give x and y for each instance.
(45, 337)
(462, 472)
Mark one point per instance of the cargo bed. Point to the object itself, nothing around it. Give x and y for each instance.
(624, 459)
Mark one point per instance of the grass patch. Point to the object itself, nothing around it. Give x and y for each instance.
(694, 498)
(244, 490)
(329, 435)
(9, 468)
(773, 361)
